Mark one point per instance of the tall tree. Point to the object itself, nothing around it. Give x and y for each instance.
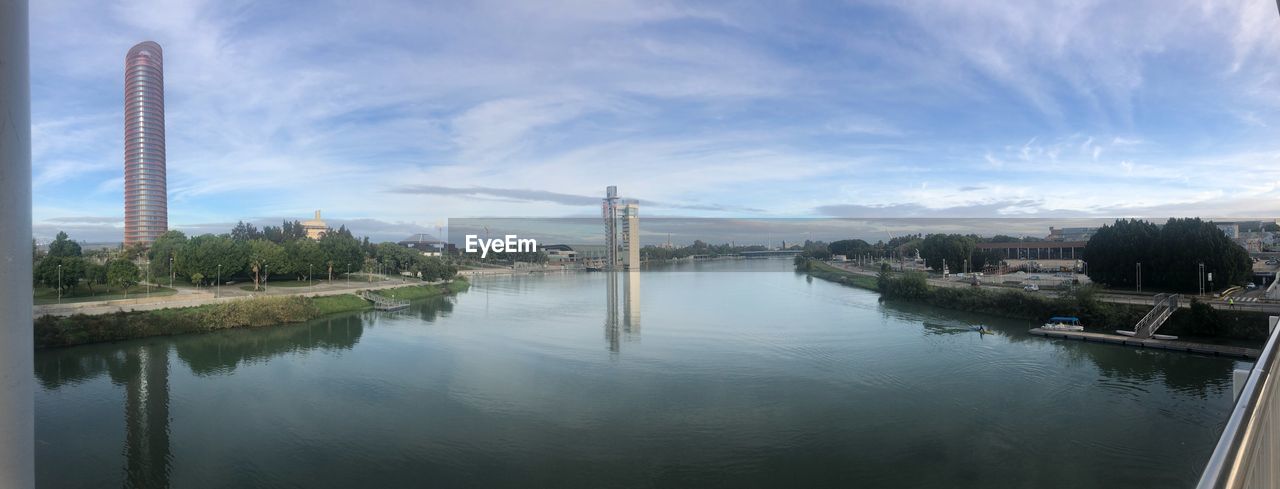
(122, 273)
(302, 257)
(1114, 251)
(849, 247)
(164, 251)
(1170, 255)
(94, 274)
(953, 250)
(262, 254)
(210, 256)
(62, 246)
(245, 232)
(340, 249)
(60, 272)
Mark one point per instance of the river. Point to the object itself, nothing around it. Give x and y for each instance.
(727, 374)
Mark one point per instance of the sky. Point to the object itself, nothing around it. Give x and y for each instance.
(394, 116)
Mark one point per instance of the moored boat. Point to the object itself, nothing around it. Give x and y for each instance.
(1063, 323)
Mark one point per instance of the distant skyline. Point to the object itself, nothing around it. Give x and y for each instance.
(394, 116)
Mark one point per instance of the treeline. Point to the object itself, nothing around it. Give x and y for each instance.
(1170, 255)
(245, 253)
(954, 250)
(698, 247)
(64, 267)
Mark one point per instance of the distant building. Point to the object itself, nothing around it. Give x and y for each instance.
(621, 231)
(1070, 234)
(146, 199)
(426, 244)
(630, 213)
(1231, 229)
(559, 253)
(1251, 242)
(315, 227)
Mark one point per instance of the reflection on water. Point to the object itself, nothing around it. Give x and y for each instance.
(142, 369)
(221, 352)
(1119, 366)
(630, 308)
(753, 379)
(146, 416)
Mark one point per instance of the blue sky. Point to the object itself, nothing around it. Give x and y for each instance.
(395, 116)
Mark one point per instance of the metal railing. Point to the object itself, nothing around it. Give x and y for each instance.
(382, 302)
(1248, 453)
(1163, 306)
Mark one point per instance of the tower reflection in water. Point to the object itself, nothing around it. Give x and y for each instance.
(142, 370)
(630, 318)
(146, 416)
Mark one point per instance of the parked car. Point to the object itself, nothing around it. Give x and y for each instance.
(1031, 288)
(1251, 286)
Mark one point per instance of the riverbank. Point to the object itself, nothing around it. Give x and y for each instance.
(1199, 320)
(53, 331)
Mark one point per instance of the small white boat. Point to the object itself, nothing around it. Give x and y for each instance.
(1155, 336)
(1063, 323)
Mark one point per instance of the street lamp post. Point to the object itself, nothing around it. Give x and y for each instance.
(348, 275)
(171, 272)
(308, 275)
(59, 283)
(1139, 280)
(219, 290)
(1200, 277)
(148, 278)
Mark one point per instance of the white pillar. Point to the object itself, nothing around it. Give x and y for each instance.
(17, 377)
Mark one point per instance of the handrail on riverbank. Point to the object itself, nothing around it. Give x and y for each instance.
(1163, 306)
(1248, 452)
(383, 303)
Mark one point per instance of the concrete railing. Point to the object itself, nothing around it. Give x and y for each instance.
(1273, 292)
(1248, 453)
(17, 385)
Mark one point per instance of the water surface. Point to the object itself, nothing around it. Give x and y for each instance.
(737, 374)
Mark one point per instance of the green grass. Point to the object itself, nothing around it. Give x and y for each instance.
(423, 291)
(333, 304)
(52, 331)
(831, 273)
(100, 293)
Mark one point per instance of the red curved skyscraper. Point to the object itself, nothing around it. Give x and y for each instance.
(146, 200)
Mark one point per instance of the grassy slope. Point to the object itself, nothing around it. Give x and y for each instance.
(51, 331)
(828, 272)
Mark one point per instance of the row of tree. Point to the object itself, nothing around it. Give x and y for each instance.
(699, 247)
(952, 251)
(1170, 255)
(64, 267)
(245, 253)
